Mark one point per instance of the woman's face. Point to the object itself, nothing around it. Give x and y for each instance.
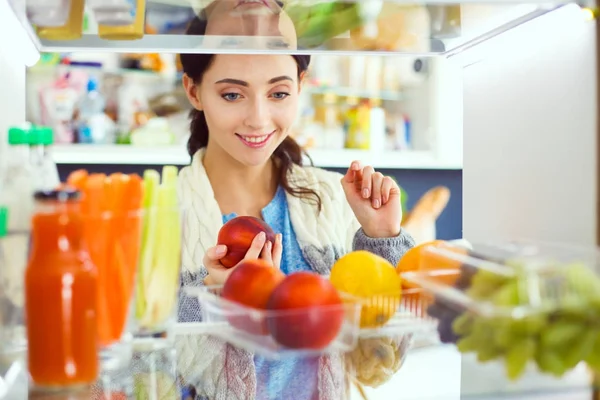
(249, 102)
(262, 18)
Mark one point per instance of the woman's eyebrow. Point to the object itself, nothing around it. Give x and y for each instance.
(244, 83)
(280, 78)
(233, 82)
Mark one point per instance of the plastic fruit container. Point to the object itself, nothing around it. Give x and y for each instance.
(337, 330)
(535, 307)
(404, 315)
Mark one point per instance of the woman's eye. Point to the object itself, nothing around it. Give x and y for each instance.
(231, 96)
(280, 95)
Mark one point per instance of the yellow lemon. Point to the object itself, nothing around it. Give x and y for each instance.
(373, 280)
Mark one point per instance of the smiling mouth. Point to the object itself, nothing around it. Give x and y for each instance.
(255, 141)
(252, 3)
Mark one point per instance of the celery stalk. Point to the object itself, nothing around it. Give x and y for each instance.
(161, 262)
(151, 184)
(163, 285)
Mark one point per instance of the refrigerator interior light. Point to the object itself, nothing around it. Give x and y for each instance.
(14, 40)
(565, 17)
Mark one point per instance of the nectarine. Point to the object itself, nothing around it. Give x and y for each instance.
(251, 284)
(237, 234)
(310, 312)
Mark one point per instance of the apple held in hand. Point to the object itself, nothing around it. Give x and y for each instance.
(237, 234)
(311, 309)
(251, 284)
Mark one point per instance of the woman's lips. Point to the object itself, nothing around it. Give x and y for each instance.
(255, 141)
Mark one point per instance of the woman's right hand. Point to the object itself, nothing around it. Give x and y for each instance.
(260, 248)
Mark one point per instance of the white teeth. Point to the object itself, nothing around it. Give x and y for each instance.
(255, 139)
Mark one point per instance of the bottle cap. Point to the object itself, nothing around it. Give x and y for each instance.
(41, 135)
(19, 135)
(3, 221)
(61, 194)
(92, 85)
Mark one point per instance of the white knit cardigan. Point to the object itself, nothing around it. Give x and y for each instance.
(221, 371)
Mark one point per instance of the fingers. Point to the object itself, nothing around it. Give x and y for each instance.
(351, 173)
(256, 247)
(277, 251)
(217, 273)
(367, 184)
(213, 255)
(386, 189)
(376, 189)
(267, 252)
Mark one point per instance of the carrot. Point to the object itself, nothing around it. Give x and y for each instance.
(132, 202)
(94, 204)
(77, 179)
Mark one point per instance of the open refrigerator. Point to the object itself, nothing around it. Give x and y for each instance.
(529, 78)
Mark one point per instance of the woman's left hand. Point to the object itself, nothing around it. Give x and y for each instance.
(374, 199)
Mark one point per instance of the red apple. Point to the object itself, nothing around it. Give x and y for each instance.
(237, 234)
(311, 312)
(251, 284)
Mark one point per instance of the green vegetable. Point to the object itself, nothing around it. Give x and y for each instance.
(158, 277)
(317, 23)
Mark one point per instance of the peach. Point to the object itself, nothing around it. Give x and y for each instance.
(310, 309)
(237, 234)
(251, 284)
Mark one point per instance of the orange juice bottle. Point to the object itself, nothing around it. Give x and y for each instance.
(60, 296)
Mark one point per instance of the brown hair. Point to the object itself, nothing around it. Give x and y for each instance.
(287, 154)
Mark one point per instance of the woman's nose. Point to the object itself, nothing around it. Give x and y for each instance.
(258, 116)
(260, 25)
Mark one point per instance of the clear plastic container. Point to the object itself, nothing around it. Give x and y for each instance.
(17, 197)
(233, 323)
(51, 13)
(45, 170)
(409, 315)
(535, 307)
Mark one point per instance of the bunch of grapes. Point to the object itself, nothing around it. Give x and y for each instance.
(549, 317)
(446, 313)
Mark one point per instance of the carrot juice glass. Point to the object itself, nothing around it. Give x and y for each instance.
(113, 239)
(61, 284)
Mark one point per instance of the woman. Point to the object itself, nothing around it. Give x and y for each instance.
(256, 23)
(245, 163)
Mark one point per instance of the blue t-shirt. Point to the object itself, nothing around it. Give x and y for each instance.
(292, 378)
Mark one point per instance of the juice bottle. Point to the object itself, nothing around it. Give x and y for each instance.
(115, 30)
(71, 29)
(60, 296)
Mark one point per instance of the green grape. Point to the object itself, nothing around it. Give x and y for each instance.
(468, 344)
(573, 307)
(560, 334)
(481, 289)
(581, 280)
(580, 348)
(489, 352)
(550, 362)
(507, 295)
(595, 304)
(481, 328)
(593, 357)
(518, 356)
(463, 324)
(531, 324)
(504, 333)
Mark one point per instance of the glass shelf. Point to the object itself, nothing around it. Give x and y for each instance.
(82, 154)
(438, 363)
(440, 27)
